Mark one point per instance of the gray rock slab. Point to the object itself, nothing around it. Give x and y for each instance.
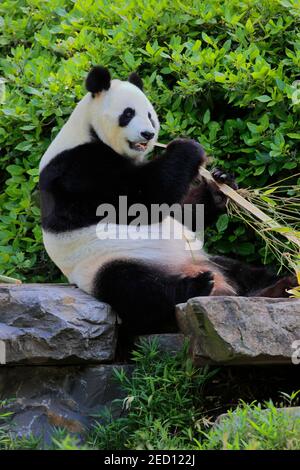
(171, 343)
(241, 330)
(41, 398)
(44, 323)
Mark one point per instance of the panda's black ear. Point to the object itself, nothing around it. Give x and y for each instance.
(97, 80)
(136, 80)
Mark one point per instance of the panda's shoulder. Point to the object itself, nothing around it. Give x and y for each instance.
(87, 154)
(85, 157)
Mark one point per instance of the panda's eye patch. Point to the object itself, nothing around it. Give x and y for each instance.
(126, 117)
(151, 120)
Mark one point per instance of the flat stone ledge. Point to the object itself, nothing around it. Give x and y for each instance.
(241, 330)
(46, 323)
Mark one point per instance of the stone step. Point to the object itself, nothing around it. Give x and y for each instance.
(41, 398)
(46, 324)
(242, 330)
(54, 323)
(171, 343)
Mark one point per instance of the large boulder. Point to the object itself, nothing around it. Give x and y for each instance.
(44, 323)
(241, 330)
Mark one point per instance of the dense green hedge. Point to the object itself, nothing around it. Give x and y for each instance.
(224, 72)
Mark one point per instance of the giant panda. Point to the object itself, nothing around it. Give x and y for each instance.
(101, 154)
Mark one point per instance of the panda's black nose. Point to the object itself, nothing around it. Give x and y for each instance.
(147, 135)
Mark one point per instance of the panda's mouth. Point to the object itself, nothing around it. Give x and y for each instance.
(139, 146)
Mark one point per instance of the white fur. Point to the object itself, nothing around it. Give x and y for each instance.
(106, 109)
(74, 132)
(80, 253)
(102, 112)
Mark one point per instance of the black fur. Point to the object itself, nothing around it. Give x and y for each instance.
(98, 80)
(253, 281)
(126, 116)
(208, 194)
(213, 200)
(222, 177)
(151, 120)
(145, 296)
(136, 80)
(77, 181)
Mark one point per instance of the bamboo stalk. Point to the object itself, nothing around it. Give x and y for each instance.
(241, 201)
(9, 280)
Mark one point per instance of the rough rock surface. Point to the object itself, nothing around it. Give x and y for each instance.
(170, 343)
(43, 323)
(44, 397)
(241, 330)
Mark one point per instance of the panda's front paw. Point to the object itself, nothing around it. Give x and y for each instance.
(219, 198)
(220, 176)
(188, 149)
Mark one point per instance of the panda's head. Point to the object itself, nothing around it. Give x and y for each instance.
(121, 115)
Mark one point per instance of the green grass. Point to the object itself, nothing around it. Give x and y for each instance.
(225, 73)
(165, 398)
(168, 406)
(255, 427)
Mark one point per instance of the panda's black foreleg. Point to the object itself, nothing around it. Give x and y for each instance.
(209, 194)
(166, 180)
(144, 296)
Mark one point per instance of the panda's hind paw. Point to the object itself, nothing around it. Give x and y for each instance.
(220, 176)
(205, 283)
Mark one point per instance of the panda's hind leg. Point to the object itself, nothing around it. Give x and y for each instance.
(278, 288)
(254, 281)
(144, 296)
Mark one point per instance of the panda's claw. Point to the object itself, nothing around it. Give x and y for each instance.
(220, 176)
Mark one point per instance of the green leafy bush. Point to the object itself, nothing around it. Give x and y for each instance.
(225, 73)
